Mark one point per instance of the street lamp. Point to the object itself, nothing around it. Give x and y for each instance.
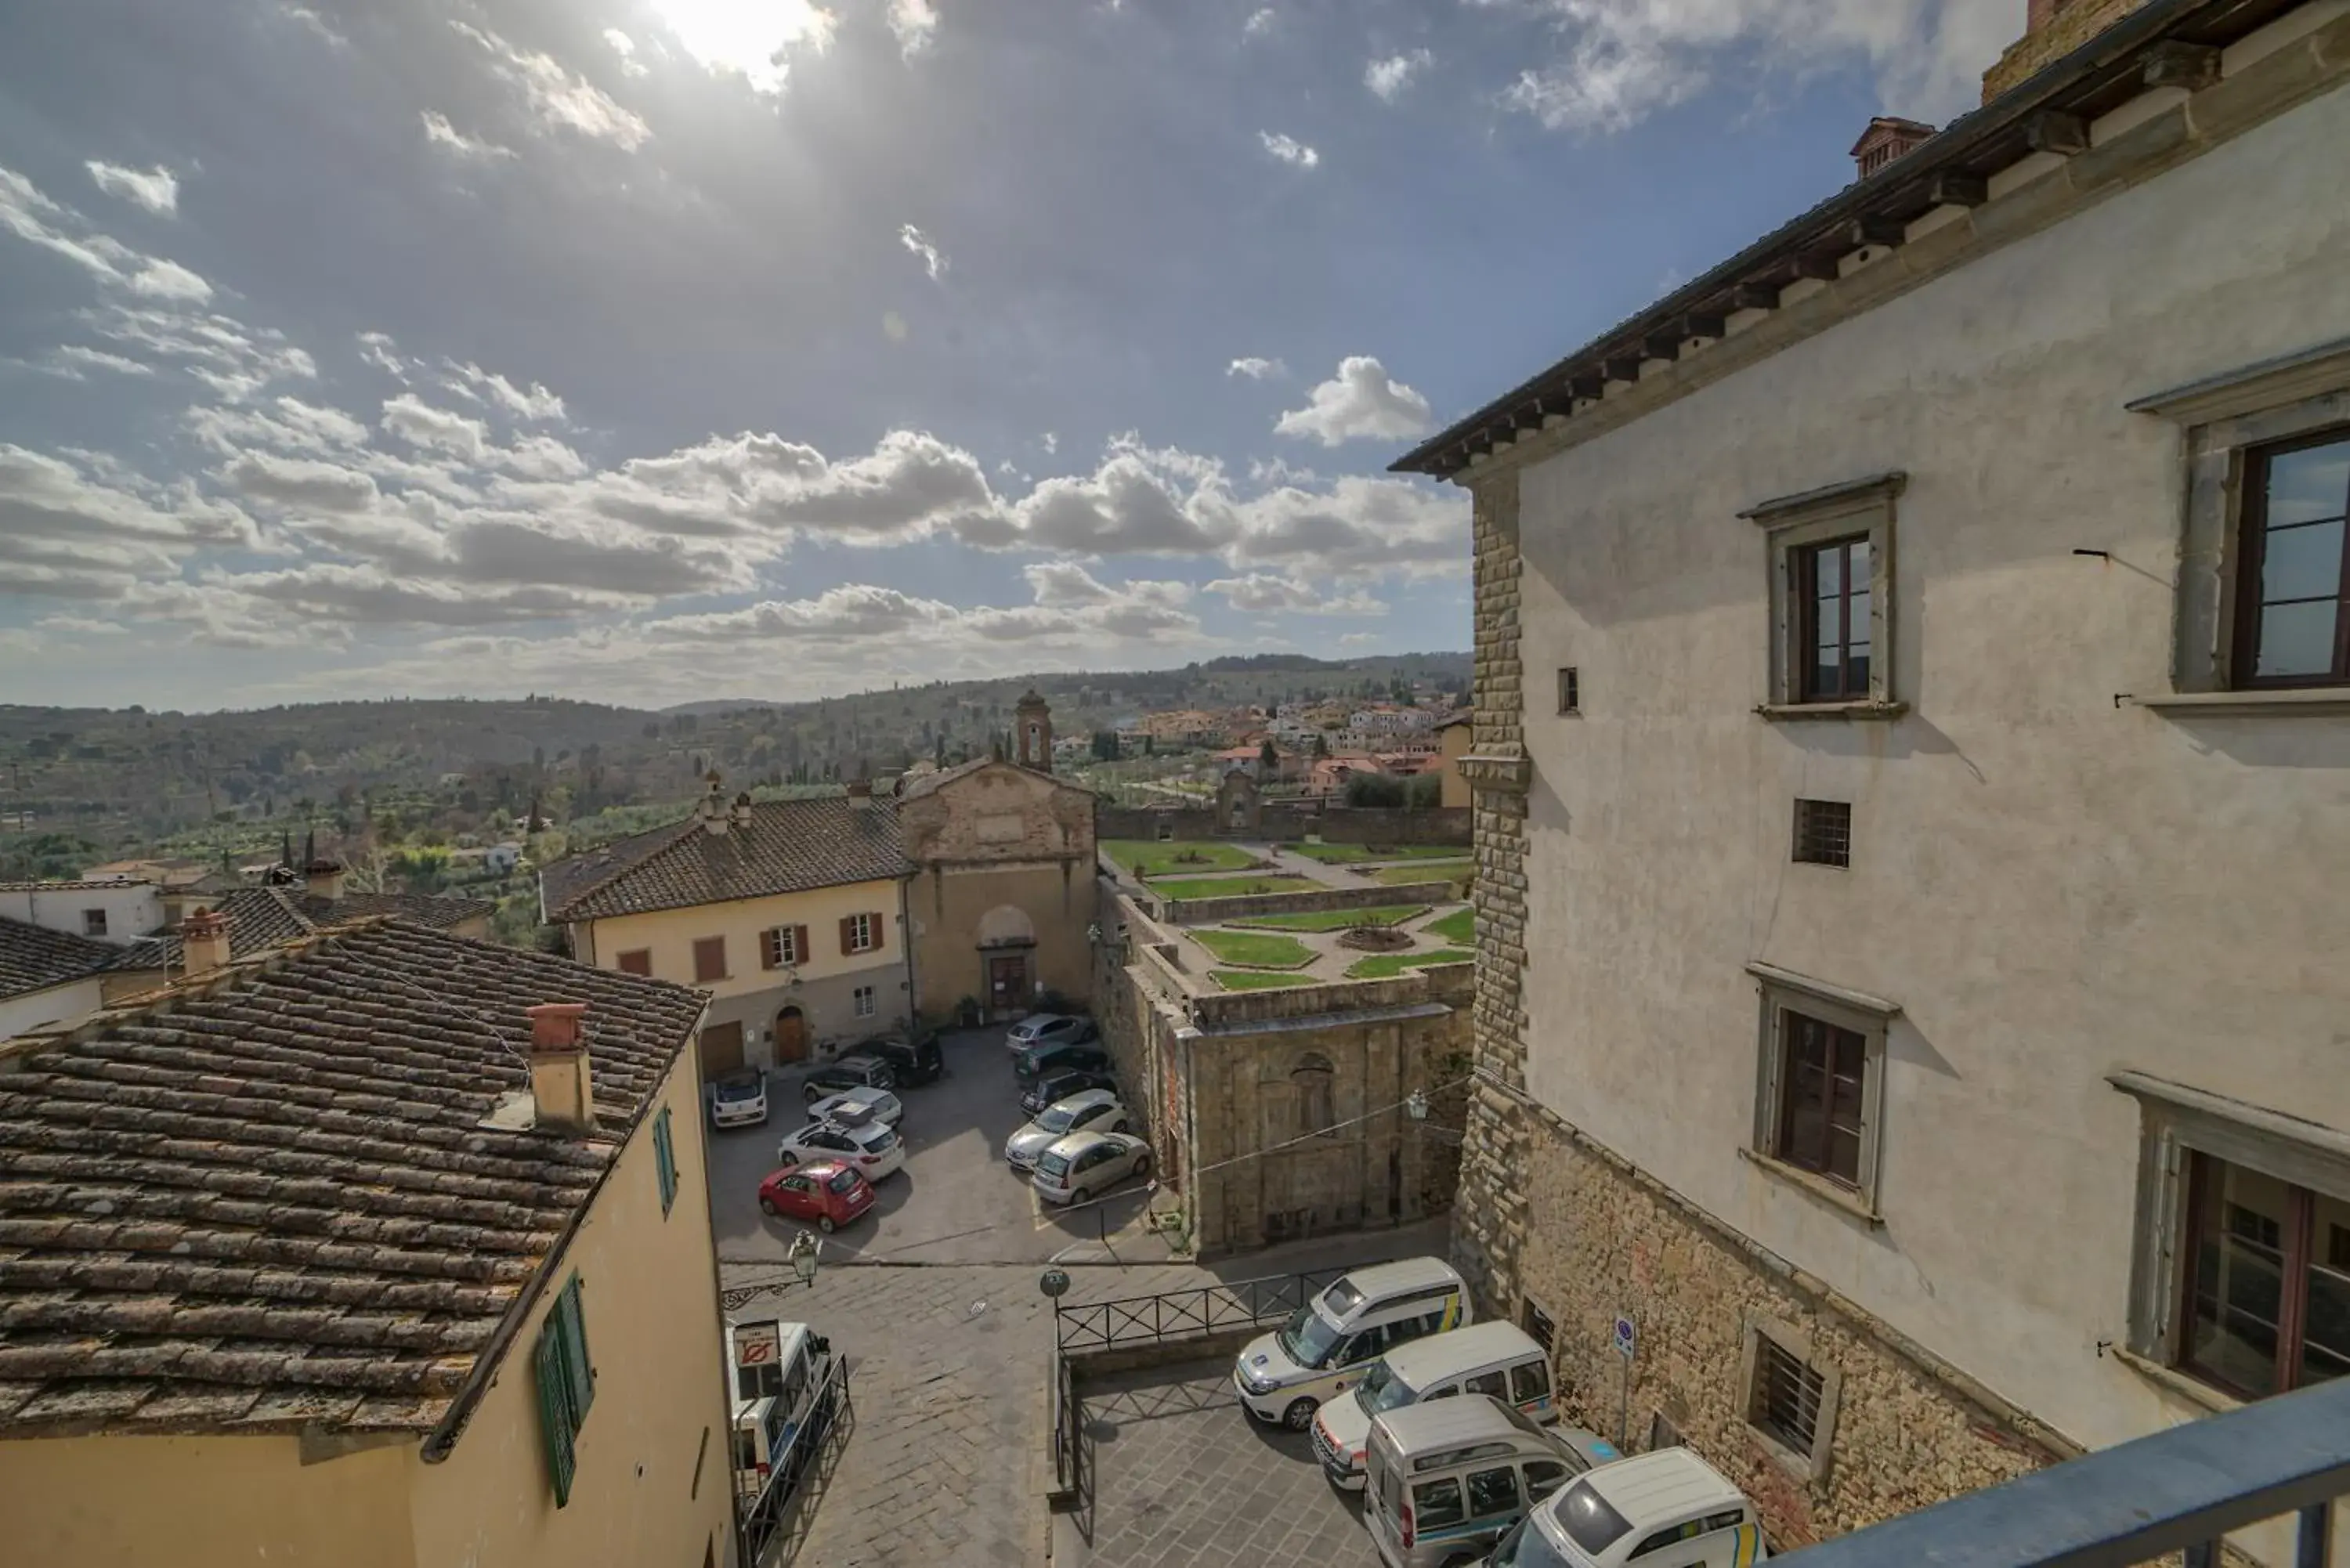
(803, 1258)
(1415, 1105)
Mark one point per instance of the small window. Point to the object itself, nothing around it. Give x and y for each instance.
(1832, 586)
(1529, 1381)
(1785, 1400)
(665, 1161)
(2292, 574)
(780, 947)
(863, 996)
(1494, 1491)
(1496, 1383)
(1820, 1107)
(1537, 1324)
(1823, 832)
(1570, 690)
(93, 922)
(856, 934)
(636, 960)
(1831, 554)
(1436, 1504)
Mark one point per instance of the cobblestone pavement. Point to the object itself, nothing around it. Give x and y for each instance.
(1184, 1479)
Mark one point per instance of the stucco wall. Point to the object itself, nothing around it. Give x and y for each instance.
(201, 1502)
(651, 1300)
(133, 910)
(949, 903)
(53, 1004)
(2051, 883)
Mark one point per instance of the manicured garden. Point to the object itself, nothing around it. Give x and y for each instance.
(1459, 927)
(1457, 872)
(1257, 979)
(1337, 919)
(1255, 949)
(1226, 887)
(1387, 966)
(1148, 857)
(1357, 854)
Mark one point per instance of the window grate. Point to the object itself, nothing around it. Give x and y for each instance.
(1823, 832)
(1537, 1324)
(1787, 1395)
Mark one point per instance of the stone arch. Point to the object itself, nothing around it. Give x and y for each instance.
(1007, 926)
(1240, 807)
(1312, 1077)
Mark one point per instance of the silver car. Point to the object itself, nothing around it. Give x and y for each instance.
(859, 1104)
(1085, 1163)
(1094, 1109)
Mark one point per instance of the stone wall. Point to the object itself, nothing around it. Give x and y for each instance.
(2055, 28)
(1253, 906)
(1289, 821)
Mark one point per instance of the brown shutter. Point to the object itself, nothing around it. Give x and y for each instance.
(847, 934)
(873, 924)
(771, 948)
(800, 948)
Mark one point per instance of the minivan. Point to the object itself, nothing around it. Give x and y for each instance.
(1329, 1343)
(1447, 1477)
(1496, 1358)
(1664, 1510)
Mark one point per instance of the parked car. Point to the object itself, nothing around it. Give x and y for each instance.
(911, 1062)
(868, 1144)
(1053, 1087)
(855, 1104)
(1082, 1111)
(1085, 1163)
(1329, 1343)
(1668, 1508)
(1448, 1478)
(850, 1072)
(1497, 1358)
(1038, 1060)
(826, 1191)
(738, 1100)
(1050, 1029)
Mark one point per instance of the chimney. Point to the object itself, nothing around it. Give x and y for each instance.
(203, 942)
(1888, 137)
(323, 879)
(2052, 29)
(860, 789)
(559, 1083)
(739, 815)
(711, 808)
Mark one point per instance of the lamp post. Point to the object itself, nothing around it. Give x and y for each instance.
(804, 1256)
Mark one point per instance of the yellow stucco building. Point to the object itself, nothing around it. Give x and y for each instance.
(391, 1249)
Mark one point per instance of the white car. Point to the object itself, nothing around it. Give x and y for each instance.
(1079, 1113)
(739, 1098)
(859, 1104)
(1085, 1163)
(870, 1147)
(1049, 1029)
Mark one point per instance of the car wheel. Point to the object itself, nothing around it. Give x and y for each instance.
(1079, 1195)
(1142, 1165)
(1462, 1561)
(823, 1223)
(768, 1207)
(814, 1091)
(785, 1160)
(1117, 1126)
(1300, 1414)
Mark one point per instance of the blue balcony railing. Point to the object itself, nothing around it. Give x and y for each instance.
(2179, 1491)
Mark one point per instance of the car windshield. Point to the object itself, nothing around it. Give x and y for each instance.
(1589, 1522)
(1057, 1118)
(873, 1140)
(1381, 1390)
(1527, 1547)
(742, 1088)
(842, 1181)
(1054, 1164)
(1308, 1338)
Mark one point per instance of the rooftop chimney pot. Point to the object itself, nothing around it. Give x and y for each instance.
(561, 1087)
(860, 789)
(203, 942)
(1888, 137)
(323, 879)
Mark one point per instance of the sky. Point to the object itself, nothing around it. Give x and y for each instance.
(650, 351)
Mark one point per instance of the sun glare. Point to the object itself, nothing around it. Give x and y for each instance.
(748, 37)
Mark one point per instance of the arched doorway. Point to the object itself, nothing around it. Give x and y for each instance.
(791, 1035)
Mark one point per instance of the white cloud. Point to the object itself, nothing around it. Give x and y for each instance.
(420, 424)
(1289, 150)
(916, 24)
(1621, 60)
(379, 351)
(731, 38)
(73, 362)
(441, 133)
(34, 218)
(626, 47)
(156, 189)
(1260, 593)
(1050, 442)
(559, 99)
(69, 532)
(1256, 368)
(1361, 402)
(1387, 78)
(1260, 22)
(536, 403)
(234, 360)
(317, 25)
(934, 260)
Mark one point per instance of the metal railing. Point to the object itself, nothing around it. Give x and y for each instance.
(770, 1520)
(1068, 1438)
(2181, 1491)
(1186, 1314)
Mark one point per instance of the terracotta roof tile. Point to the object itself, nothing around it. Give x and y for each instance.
(33, 958)
(787, 846)
(276, 1205)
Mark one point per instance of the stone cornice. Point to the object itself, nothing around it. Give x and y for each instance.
(1504, 775)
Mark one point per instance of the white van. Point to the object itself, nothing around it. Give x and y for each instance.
(1334, 1339)
(1448, 1478)
(1665, 1510)
(1499, 1359)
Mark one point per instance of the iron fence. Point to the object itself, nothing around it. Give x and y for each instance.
(1187, 1314)
(771, 1514)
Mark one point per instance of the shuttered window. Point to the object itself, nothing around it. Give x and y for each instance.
(783, 945)
(709, 959)
(636, 960)
(859, 933)
(665, 1159)
(566, 1384)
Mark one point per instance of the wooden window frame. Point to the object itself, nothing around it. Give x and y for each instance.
(1845, 1056)
(865, 1001)
(1794, 526)
(1805, 1464)
(620, 961)
(1804, 563)
(93, 922)
(2246, 611)
(705, 944)
(783, 946)
(1779, 993)
(859, 934)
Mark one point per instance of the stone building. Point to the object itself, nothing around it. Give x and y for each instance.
(1003, 898)
(1935, 1049)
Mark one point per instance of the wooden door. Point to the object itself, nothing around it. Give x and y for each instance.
(1007, 982)
(791, 1035)
(722, 1049)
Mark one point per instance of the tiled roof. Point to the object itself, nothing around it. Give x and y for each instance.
(422, 908)
(274, 1203)
(263, 918)
(787, 846)
(33, 958)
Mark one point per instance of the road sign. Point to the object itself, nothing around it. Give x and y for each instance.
(1627, 1337)
(757, 1343)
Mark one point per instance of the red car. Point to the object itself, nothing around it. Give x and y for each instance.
(824, 1190)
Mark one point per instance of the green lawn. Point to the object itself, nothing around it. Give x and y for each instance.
(1338, 920)
(1459, 927)
(1352, 854)
(1387, 966)
(1455, 871)
(1227, 887)
(1256, 951)
(1258, 979)
(1148, 857)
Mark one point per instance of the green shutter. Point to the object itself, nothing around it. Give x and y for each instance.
(555, 1418)
(574, 1331)
(665, 1159)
